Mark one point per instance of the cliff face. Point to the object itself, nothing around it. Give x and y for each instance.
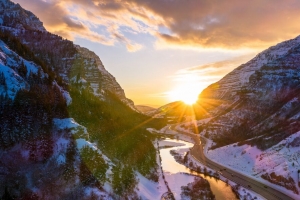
(92, 71)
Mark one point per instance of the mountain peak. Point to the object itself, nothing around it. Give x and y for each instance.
(14, 16)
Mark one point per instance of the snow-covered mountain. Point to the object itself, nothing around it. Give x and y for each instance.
(230, 84)
(258, 104)
(70, 60)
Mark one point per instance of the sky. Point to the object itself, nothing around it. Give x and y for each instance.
(166, 50)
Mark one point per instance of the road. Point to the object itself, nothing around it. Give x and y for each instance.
(265, 191)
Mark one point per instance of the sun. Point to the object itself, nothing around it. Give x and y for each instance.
(186, 94)
(187, 89)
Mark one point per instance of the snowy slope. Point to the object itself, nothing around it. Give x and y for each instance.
(80, 133)
(10, 64)
(283, 160)
(239, 77)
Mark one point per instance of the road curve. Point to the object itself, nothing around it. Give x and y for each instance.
(265, 191)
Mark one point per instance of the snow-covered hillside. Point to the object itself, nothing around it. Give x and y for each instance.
(10, 64)
(278, 164)
(228, 86)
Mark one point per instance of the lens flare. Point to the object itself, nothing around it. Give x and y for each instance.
(187, 90)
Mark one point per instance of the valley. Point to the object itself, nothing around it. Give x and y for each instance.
(264, 189)
(69, 131)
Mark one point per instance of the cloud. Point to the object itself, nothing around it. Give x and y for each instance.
(194, 23)
(227, 24)
(204, 75)
(225, 64)
(77, 18)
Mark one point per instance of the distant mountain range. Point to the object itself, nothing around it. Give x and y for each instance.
(144, 108)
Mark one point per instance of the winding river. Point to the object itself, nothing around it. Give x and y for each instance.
(174, 174)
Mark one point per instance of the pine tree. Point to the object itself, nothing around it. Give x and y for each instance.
(6, 195)
(2, 79)
(23, 70)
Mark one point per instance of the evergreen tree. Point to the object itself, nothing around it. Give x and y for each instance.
(2, 79)
(6, 195)
(22, 70)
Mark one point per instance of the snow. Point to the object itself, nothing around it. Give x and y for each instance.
(97, 193)
(67, 96)
(13, 81)
(67, 123)
(282, 159)
(9, 63)
(81, 133)
(167, 143)
(243, 158)
(60, 147)
(61, 159)
(82, 143)
(148, 189)
(177, 180)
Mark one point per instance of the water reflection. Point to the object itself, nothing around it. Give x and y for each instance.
(176, 179)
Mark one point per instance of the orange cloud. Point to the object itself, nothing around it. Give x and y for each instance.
(199, 23)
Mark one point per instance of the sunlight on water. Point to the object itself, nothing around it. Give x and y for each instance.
(172, 168)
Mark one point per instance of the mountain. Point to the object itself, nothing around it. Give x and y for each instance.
(72, 62)
(172, 109)
(67, 130)
(14, 16)
(261, 94)
(144, 108)
(178, 111)
(258, 105)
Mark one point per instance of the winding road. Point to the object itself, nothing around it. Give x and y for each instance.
(245, 181)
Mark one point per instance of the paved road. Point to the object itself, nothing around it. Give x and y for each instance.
(265, 191)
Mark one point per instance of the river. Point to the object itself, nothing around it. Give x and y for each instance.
(173, 173)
